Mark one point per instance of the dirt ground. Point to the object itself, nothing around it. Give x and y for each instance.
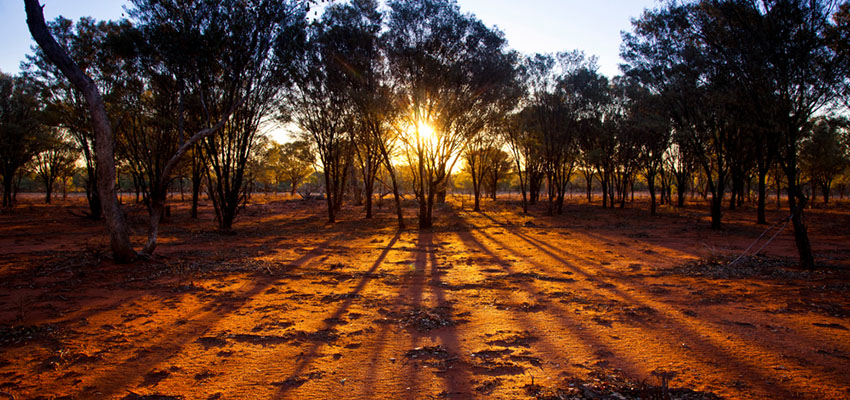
(591, 304)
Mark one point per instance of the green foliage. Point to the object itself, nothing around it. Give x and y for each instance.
(824, 155)
(56, 160)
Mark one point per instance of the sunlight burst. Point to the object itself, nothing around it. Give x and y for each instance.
(427, 132)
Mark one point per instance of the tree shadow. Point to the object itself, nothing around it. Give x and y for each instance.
(682, 329)
(175, 338)
(332, 321)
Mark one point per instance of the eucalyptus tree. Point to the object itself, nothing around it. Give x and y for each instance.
(122, 249)
(726, 66)
(838, 35)
(293, 163)
(652, 131)
(627, 138)
(224, 76)
(478, 155)
(824, 154)
(517, 133)
(679, 163)
(500, 169)
(318, 104)
(56, 160)
(353, 33)
(666, 55)
(548, 98)
(22, 134)
(785, 60)
(220, 92)
(450, 70)
(67, 107)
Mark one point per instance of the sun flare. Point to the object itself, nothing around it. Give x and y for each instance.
(426, 131)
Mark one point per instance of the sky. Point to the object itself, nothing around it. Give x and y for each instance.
(531, 26)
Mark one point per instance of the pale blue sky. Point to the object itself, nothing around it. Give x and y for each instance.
(529, 25)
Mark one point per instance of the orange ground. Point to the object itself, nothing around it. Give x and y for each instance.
(482, 306)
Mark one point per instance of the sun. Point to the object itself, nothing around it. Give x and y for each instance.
(427, 133)
(428, 136)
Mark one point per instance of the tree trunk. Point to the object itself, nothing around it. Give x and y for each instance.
(48, 191)
(732, 200)
(7, 191)
(368, 199)
(329, 194)
(762, 188)
(157, 207)
(796, 203)
(825, 186)
(441, 195)
(650, 180)
(397, 198)
(196, 192)
(476, 190)
(716, 209)
(93, 196)
(396, 195)
(425, 207)
(604, 191)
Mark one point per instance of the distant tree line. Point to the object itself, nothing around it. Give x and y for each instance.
(715, 96)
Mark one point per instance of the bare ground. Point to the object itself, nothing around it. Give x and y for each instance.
(591, 304)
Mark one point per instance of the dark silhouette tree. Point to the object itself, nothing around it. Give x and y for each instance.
(354, 32)
(782, 56)
(824, 154)
(122, 249)
(500, 169)
(220, 90)
(22, 133)
(450, 71)
(478, 156)
(652, 131)
(318, 104)
(56, 160)
(517, 133)
(67, 107)
(666, 54)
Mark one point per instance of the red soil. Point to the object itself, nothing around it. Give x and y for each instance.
(483, 305)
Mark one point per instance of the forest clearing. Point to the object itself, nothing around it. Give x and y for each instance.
(493, 304)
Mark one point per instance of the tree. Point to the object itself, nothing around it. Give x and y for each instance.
(122, 249)
(56, 161)
(478, 155)
(353, 34)
(824, 155)
(782, 53)
(667, 55)
(517, 133)
(294, 163)
(838, 35)
(564, 92)
(652, 130)
(439, 58)
(22, 134)
(680, 164)
(626, 139)
(500, 168)
(255, 26)
(67, 107)
(228, 89)
(318, 104)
